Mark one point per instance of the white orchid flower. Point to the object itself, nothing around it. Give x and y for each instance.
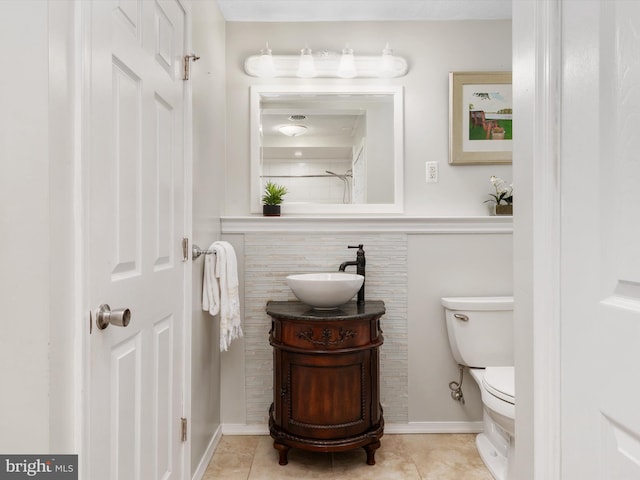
(504, 191)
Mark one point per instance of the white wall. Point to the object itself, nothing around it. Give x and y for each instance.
(25, 223)
(433, 49)
(438, 264)
(64, 305)
(451, 265)
(527, 48)
(208, 83)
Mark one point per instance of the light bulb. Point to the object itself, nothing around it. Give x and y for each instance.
(347, 68)
(306, 67)
(387, 63)
(266, 66)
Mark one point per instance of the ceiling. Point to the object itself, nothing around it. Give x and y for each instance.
(362, 10)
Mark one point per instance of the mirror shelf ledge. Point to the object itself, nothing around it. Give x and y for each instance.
(346, 224)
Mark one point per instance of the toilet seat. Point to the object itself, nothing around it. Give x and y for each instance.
(500, 382)
(498, 397)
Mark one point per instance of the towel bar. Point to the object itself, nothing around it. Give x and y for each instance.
(196, 251)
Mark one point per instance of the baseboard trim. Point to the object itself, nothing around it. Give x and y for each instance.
(433, 427)
(244, 429)
(208, 454)
(389, 428)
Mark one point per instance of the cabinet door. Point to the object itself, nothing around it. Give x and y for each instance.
(326, 396)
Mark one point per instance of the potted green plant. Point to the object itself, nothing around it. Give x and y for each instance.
(502, 200)
(272, 199)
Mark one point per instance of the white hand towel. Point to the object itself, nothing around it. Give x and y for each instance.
(210, 287)
(222, 295)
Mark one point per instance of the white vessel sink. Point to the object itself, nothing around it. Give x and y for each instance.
(325, 290)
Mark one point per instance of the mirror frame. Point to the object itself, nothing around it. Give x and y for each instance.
(321, 208)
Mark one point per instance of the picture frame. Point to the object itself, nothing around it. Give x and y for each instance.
(480, 118)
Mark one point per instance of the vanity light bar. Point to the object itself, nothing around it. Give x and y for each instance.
(327, 65)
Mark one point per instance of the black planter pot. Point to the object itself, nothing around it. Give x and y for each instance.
(271, 210)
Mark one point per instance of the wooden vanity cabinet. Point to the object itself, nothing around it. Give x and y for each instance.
(326, 388)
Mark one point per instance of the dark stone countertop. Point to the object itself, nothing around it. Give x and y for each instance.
(295, 310)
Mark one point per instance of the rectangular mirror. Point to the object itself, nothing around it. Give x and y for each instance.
(337, 149)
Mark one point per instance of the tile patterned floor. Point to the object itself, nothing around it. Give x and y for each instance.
(402, 457)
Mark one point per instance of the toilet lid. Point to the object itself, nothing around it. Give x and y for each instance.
(500, 382)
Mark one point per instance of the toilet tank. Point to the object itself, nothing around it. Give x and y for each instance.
(480, 330)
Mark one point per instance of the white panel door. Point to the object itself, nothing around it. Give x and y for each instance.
(600, 296)
(136, 217)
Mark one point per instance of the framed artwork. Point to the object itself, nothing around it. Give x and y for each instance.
(480, 118)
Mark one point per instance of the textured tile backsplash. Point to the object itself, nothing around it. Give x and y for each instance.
(269, 258)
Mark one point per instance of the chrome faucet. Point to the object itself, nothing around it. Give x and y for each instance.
(360, 263)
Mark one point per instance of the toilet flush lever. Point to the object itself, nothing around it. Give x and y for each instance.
(461, 317)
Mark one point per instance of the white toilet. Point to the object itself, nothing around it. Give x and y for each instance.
(480, 333)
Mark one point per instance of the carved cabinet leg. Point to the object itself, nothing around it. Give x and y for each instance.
(371, 452)
(283, 451)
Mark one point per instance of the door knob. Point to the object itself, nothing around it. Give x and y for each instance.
(105, 316)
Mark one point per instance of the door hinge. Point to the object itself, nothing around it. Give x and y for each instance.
(183, 429)
(185, 249)
(187, 68)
